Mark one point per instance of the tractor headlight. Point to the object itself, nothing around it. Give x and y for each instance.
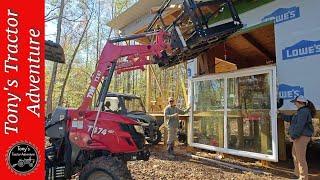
(139, 129)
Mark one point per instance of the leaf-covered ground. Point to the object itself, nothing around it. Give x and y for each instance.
(160, 166)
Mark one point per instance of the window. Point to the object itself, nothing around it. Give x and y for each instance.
(208, 112)
(248, 119)
(235, 113)
(133, 105)
(111, 104)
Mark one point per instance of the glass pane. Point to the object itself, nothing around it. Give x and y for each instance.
(133, 104)
(248, 119)
(208, 107)
(112, 104)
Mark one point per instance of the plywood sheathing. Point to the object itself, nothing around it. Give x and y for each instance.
(247, 49)
(257, 46)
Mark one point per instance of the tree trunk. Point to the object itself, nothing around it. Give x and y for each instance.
(55, 65)
(71, 62)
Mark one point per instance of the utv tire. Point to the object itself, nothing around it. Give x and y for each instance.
(156, 139)
(105, 168)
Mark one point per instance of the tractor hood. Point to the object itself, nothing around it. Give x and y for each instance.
(57, 116)
(56, 123)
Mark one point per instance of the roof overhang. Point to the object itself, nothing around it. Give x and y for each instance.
(136, 11)
(139, 15)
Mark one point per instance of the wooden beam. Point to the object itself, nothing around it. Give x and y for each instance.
(202, 65)
(259, 47)
(183, 86)
(281, 140)
(148, 94)
(157, 81)
(232, 55)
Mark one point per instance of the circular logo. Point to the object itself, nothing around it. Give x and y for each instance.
(23, 157)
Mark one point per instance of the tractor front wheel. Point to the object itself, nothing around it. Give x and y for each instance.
(105, 168)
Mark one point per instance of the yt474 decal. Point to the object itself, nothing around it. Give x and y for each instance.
(99, 130)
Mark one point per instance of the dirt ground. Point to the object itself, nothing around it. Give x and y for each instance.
(160, 166)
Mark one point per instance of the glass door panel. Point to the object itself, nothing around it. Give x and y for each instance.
(208, 112)
(248, 113)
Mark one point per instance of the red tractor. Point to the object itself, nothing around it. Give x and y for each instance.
(96, 143)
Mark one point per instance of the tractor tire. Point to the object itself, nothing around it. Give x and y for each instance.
(20, 163)
(156, 139)
(105, 168)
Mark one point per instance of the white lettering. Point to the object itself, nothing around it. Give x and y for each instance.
(317, 48)
(13, 97)
(279, 18)
(12, 83)
(289, 94)
(34, 109)
(12, 48)
(296, 93)
(295, 52)
(8, 128)
(91, 92)
(302, 51)
(11, 13)
(311, 49)
(286, 16)
(98, 76)
(288, 54)
(292, 14)
(34, 70)
(12, 117)
(98, 130)
(8, 65)
(10, 124)
(89, 128)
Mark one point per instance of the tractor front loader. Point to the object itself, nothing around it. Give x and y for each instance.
(96, 144)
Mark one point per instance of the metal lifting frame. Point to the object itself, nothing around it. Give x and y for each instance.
(188, 46)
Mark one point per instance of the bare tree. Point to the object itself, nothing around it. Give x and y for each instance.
(72, 59)
(55, 65)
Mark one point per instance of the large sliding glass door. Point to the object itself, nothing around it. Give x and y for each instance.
(236, 113)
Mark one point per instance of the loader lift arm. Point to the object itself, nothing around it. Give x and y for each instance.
(137, 58)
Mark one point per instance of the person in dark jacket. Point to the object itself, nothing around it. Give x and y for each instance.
(300, 131)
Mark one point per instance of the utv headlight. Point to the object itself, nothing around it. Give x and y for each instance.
(139, 129)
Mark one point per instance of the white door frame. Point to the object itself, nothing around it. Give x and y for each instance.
(271, 70)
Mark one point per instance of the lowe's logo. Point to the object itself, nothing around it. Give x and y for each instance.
(283, 14)
(301, 49)
(290, 92)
